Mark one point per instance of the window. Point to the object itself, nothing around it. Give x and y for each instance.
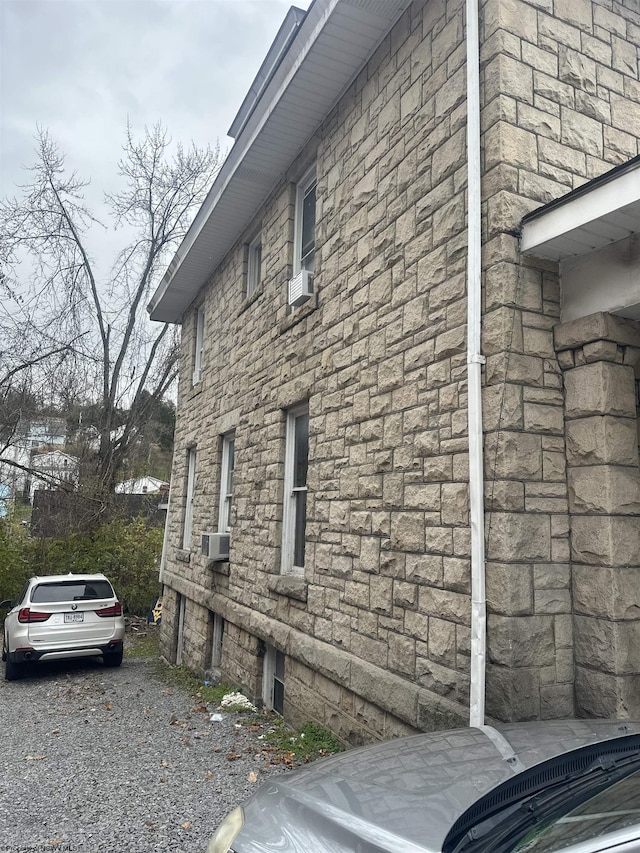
(294, 518)
(226, 482)
(305, 224)
(49, 593)
(199, 348)
(254, 265)
(216, 641)
(188, 508)
(181, 603)
(273, 680)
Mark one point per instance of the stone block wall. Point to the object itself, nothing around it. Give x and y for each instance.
(169, 623)
(379, 353)
(530, 637)
(600, 355)
(561, 105)
(377, 632)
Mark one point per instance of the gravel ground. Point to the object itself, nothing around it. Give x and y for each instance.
(96, 759)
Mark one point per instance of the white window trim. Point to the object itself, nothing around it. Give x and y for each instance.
(182, 607)
(216, 641)
(187, 530)
(307, 180)
(226, 498)
(289, 504)
(199, 347)
(268, 673)
(254, 264)
(269, 677)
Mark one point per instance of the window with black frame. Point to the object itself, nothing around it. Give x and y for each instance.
(308, 227)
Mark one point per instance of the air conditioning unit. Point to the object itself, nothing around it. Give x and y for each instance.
(215, 546)
(300, 288)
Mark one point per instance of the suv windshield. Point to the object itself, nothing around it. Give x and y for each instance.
(53, 592)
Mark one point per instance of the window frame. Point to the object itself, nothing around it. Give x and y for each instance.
(187, 526)
(181, 611)
(199, 346)
(217, 636)
(254, 264)
(273, 672)
(227, 467)
(303, 187)
(292, 495)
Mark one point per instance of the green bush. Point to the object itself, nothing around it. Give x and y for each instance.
(127, 552)
(15, 566)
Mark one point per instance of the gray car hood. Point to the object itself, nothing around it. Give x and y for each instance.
(402, 795)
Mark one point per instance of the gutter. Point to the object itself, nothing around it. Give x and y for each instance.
(475, 360)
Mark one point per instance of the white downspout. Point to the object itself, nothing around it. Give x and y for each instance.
(474, 373)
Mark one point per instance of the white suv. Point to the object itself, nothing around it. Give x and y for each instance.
(62, 616)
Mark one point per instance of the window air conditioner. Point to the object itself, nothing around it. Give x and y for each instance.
(215, 546)
(300, 288)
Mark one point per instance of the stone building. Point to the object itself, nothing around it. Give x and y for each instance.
(416, 522)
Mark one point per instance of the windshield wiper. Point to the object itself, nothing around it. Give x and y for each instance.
(501, 830)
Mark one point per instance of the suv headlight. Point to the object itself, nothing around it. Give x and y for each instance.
(227, 832)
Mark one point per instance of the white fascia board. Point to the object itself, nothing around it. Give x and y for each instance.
(282, 78)
(586, 209)
(168, 307)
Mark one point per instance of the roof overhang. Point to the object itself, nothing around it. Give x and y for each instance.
(329, 48)
(591, 217)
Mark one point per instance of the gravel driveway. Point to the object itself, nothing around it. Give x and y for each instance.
(95, 759)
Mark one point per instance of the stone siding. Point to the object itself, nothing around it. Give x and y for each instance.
(561, 102)
(379, 353)
(377, 633)
(600, 355)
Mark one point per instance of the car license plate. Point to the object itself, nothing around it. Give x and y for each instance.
(74, 617)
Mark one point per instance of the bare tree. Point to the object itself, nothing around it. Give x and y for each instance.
(80, 328)
(30, 362)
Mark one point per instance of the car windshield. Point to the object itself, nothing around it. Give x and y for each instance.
(608, 811)
(552, 800)
(54, 592)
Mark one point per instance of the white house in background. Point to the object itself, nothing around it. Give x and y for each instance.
(143, 486)
(13, 471)
(5, 499)
(58, 469)
(48, 431)
(28, 436)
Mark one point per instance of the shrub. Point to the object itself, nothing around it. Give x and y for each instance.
(127, 552)
(15, 567)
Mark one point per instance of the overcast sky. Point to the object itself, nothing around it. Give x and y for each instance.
(80, 67)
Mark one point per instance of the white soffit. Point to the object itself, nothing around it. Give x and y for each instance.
(332, 45)
(601, 212)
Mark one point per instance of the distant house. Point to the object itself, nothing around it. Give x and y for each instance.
(46, 431)
(5, 500)
(29, 437)
(57, 470)
(406, 468)
(143, 486)
(14, 471)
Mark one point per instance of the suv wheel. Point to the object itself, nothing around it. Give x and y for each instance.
(12, 671)
(113, 658)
